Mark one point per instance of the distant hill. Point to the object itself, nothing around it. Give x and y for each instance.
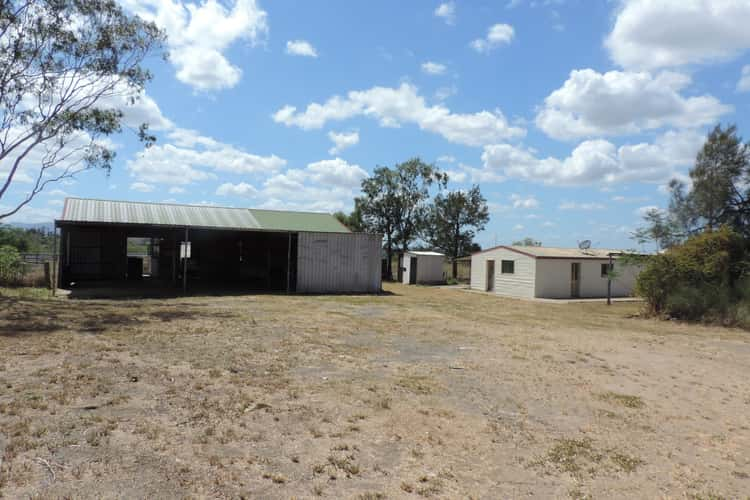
(46, 226)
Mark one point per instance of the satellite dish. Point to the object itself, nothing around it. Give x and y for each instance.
(584, 245)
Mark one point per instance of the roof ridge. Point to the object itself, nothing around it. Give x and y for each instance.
(200, 206)
(156, 203)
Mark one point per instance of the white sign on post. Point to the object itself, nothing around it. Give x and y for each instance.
(184, 249)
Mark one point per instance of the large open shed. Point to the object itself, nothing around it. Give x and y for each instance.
(129, 243)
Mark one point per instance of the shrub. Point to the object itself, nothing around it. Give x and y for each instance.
(11, 265)
(702, 279)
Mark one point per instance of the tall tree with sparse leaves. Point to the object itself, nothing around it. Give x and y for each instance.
(65, 65)
(395, 203)
(455, 219)
(719, 195)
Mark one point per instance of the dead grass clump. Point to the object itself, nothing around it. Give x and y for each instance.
(345, 464)
(625, 400)
(428, 486)
(579, 457)
(276, 478)
(417, 384)
(626, 463)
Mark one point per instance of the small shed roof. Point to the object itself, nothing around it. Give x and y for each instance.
(558, 253)
(85, 210)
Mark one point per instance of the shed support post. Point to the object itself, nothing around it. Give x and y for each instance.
(184, 264)
(54, 264)
(609, 281)
(289, 263)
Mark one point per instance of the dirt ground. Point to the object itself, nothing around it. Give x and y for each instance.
(421, 392)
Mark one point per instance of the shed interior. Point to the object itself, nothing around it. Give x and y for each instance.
(251, 260)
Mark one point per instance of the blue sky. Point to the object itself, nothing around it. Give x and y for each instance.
(570, 114)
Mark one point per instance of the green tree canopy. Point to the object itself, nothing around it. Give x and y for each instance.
(454, 220)
(64, 66)
(719, 194)
(395, 202)
(527, 242)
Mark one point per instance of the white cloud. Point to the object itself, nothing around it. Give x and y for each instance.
(342, 140)
(518, 227)
(394, 106)
(176, 190)
(242, 190)
(30, 214)
(525, 203)
(572, 205)
(667, 33)
(447, 12)
(594, 104)
(326, 185)
(629, 199)
(186, 159)
(300, 48)
(643, 211)
(336, 172)
(199, 34)
(433, 68)
(497, 35)
(596, 161)
(443, 93)
(142, 187)
(744, 84)
(446, 159)
(457, 176)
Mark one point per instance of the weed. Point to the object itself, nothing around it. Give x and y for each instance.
(625, 400)
(626, 463)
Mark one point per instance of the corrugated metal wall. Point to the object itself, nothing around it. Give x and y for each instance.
(330, 262)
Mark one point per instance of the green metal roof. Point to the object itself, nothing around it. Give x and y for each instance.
(167, 214)
(298, 221)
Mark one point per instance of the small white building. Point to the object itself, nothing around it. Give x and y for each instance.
(553, 273)
(423, 268)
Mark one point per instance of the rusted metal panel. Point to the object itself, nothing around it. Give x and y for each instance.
(338, 263)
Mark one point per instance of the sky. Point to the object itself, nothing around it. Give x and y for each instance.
(571, 115)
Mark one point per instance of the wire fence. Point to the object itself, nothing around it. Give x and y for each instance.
(32, 269)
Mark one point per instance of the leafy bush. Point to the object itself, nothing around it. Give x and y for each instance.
(705, 278)
(10, 265)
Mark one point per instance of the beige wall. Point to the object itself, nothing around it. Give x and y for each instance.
(553, 279)
(429, 268)
(518, 284)
(338, 262)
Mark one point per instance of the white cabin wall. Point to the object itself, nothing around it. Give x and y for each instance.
(518, 284)
(553, 279)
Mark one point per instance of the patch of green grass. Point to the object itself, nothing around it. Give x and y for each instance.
(26, 292)
(625, 400)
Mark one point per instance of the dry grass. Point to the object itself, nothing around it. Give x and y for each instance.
(425, 393)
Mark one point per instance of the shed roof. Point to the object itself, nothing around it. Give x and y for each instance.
(85, 210)
(558, 253)
(426, 252)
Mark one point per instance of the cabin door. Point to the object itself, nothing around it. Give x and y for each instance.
(412, 270)
(490, 283)
(575, 280)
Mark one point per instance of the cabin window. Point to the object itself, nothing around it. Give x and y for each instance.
(605, 270)
(508, 267)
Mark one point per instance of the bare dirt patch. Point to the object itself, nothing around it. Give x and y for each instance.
(424, 393)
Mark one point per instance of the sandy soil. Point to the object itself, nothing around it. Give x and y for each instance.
(421, 392)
